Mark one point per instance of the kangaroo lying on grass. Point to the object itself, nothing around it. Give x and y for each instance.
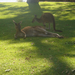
(46, 18)
(33, 31)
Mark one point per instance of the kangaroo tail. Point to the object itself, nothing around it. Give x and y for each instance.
(54, 26)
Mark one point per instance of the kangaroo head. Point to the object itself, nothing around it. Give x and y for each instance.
(17, 25)
(34, 19)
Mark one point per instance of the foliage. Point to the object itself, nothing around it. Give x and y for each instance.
(58, 0)
(37, 55)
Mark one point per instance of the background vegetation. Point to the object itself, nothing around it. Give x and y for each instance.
(58, 0)
(37, 55)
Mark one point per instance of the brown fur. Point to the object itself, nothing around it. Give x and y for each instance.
(33, 31)
(46, 18)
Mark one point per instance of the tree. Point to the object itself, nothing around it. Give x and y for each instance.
(32, 1)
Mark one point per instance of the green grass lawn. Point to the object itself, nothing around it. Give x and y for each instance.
(37, 55)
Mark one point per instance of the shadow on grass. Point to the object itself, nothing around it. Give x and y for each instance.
(56, 53)
(45, 50)
(24, 14)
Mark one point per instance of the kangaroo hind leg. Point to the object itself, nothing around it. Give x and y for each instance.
(41, 30)
(54, 34)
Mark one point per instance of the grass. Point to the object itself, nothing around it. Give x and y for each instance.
(37, 55)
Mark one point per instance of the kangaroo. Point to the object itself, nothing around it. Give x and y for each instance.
(19, 32)
(33, 31)
(46, 18)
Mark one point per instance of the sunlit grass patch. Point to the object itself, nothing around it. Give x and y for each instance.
(37, 55)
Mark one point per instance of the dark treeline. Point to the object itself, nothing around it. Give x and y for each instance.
(59, 0)
(34, 1)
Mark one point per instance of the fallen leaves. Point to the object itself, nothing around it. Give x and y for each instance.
(32, 43)
(33, 67)
(7, 70)
(27, 58)
(5, 48)
(67, 72)
(69, 42)
(73, 70)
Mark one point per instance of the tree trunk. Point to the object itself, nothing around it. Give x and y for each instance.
(32, 1)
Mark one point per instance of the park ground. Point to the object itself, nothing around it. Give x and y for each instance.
(37, 55)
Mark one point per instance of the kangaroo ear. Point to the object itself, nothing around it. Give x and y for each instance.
(14, 21)
(20, 22)
(35, 15)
